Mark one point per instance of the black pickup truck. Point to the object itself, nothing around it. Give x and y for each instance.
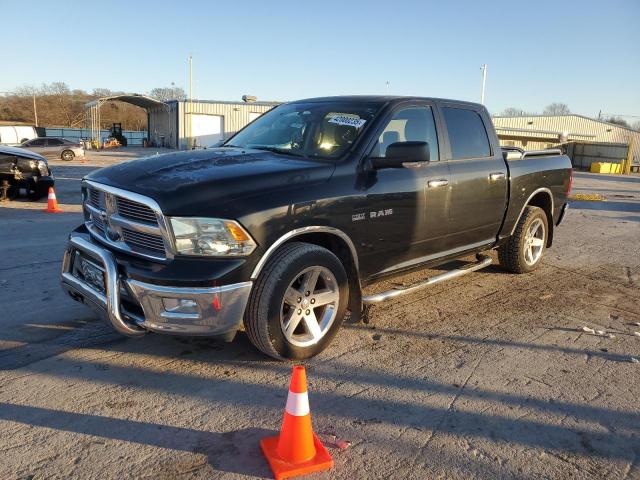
(280, 228)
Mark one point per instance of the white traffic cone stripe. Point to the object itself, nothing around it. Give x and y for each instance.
(297, 404)
(51, 196)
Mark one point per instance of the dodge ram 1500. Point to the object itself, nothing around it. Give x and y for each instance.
(280, 228)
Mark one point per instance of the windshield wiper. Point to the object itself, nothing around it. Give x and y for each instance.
(269, 148)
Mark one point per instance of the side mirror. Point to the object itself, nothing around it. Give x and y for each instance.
(399, 153)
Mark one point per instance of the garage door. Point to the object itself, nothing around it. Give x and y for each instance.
(207, 129)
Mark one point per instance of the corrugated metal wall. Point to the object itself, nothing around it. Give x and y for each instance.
(235, 116)
(584, 154)
(169, 125)
(163, 126)
(574, 125)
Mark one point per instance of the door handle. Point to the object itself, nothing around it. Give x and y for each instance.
(496, 176)
(438, 183)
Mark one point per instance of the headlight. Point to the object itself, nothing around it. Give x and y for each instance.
(210, 237)
(43, 168)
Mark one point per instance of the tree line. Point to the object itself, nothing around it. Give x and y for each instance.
(59, 106)
(558, 108)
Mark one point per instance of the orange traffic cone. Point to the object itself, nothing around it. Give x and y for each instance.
(297, 450)
(52, 202)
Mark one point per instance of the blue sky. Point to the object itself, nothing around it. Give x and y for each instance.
(584, 53)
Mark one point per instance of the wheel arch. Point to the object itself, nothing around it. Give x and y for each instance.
(541, 198)
(334, 240)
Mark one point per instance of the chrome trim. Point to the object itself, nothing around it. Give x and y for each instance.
(301, 231)
(526, 204)
(208, 320)
(496, 176)
(434, 256)
(540, 153)
(437, 183)
(161, 230)
(483, 261)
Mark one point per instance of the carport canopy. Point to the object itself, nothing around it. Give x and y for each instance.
(93, 108)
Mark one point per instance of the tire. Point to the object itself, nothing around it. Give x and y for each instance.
(525, 248)
(67, 155)
(36, 192)
(269, 312)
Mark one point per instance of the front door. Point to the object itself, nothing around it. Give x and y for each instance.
(404, 214)
(478, 179)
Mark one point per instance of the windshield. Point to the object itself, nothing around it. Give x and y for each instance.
(323, 129)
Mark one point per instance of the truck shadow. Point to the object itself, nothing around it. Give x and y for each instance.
(221, 450)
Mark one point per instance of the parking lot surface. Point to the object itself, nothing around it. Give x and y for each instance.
(487, 376)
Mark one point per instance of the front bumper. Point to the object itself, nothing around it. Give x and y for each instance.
(133, 307)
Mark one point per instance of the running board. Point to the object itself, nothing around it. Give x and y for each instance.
(483, 261)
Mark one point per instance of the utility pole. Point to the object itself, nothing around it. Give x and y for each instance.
(484, 81)
(35, 109)
(190, 145)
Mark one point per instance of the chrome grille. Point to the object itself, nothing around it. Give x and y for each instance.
(143, 241)
(135, 211)
(117, 220)
(96, 198)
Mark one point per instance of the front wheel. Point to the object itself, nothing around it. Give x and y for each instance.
(298, 302)
(525, 248)
(67, 155)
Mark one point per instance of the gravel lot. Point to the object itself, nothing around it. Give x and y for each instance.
(487, 376)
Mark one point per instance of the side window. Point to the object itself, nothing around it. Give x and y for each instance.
(467, 135)
(38, 142)
(409, 124)
(54, 142)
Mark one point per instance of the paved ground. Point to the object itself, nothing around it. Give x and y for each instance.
(488, 376)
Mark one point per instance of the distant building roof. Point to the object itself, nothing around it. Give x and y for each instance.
(134, 99)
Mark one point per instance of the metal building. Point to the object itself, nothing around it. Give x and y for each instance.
(200, 123)
(536, 132)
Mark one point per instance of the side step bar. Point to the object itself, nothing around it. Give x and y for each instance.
(483, 261)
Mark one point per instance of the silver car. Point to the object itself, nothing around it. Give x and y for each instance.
(52, 147)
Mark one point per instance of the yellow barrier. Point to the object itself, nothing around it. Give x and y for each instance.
(605, 167)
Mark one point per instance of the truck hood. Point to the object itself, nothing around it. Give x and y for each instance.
(182, 182)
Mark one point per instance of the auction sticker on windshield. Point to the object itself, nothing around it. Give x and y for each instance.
(349, 121)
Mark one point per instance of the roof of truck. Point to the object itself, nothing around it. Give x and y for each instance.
(377, 99)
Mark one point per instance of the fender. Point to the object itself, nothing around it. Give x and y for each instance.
(301, 231)
(533, 194)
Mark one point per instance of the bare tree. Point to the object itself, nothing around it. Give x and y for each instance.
(636, 125)
(556, 108)
(165, 94)
(514, 112)
(59, 106)
(618, 121)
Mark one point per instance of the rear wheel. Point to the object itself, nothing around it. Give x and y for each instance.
(67, 155)
(298, 302)
(524, 250)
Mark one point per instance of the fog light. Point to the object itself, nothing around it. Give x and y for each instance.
(180, 305)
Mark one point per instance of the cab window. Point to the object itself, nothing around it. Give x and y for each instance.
(467, 135)
(409, 124)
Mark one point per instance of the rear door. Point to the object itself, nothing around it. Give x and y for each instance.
(53, 147)
(478, 177)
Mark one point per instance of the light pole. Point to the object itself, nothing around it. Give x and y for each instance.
(190, 144)
(35, 109)
(484, 81)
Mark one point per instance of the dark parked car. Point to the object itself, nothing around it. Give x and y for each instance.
(280, 228)
(22, 169)
(53, 147)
